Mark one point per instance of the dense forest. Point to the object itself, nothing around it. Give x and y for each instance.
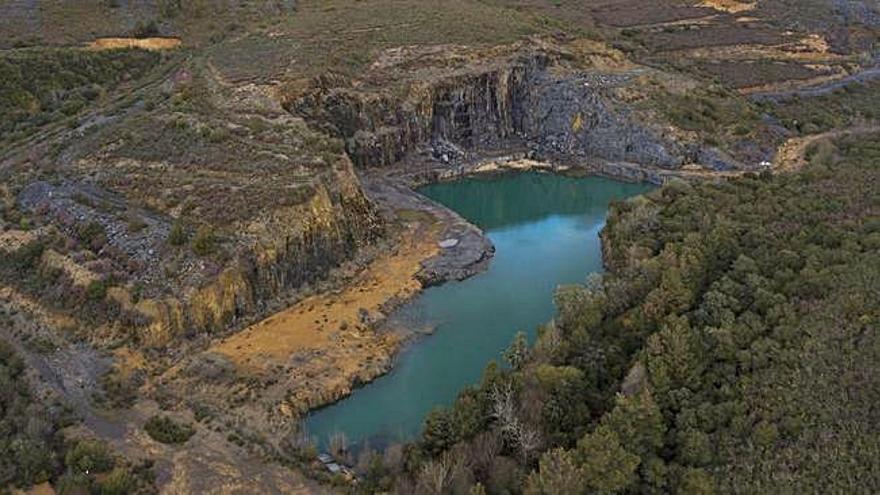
(731, 347)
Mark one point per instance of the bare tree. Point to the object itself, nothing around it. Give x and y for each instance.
(482, 453)
(524, 437)
(436, 475)
(504, 406)
(298, 441)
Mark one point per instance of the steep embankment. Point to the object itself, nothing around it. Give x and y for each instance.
(576, 101)
(294, 246)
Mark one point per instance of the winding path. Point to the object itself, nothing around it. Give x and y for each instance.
(821, 89)
(791, 156)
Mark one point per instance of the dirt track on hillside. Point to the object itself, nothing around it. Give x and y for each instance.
(792, 154)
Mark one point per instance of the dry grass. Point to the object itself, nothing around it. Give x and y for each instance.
(154, 44)
(12, 240)
(39, 312)
(630, 13)
(128, 361)
(743, 74)
(345, 36)
(730, 6)
(77, 273)
(314, 322)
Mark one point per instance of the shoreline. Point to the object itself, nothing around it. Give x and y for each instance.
(394, 191)
(282, 393)
(316, 352)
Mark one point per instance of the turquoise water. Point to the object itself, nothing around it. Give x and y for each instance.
(545, 230)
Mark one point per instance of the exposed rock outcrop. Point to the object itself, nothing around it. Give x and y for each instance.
(471, 109)
(534, 95)
(282, 250)
(298, 245)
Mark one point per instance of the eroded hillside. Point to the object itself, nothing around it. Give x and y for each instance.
(158, 204)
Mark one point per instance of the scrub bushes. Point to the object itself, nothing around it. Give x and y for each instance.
(165, 430)
(40, 85)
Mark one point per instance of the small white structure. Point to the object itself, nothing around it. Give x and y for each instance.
(448, 243)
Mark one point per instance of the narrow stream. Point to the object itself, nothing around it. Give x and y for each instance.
(545, 229)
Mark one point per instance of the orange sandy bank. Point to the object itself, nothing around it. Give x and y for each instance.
(335, 319)
(730, 6)
(142, 43)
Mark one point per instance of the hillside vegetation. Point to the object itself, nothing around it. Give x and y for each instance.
(41, 85)
(731, 349)
(34, 451)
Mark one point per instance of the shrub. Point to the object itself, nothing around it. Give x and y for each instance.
(177, 236)
(27, 257)
(73, 483)
(97, 290)
(118, 482)
(145, 29)
(165, 430)
(136, 224)
(204, 242)
(28, 432)
(89, 456)
(93, 235)
(38, 86)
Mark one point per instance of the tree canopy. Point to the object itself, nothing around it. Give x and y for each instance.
(732, 347)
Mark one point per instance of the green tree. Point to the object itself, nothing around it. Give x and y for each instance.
(607, 466)
(580, 307)
(563, 410)
(518, 353)
(439, 432)
(558, 473)
(765, 434)
(638, 423)
(695, 481)
(377, 476)
(468, 415)
(675, 358)
(694, 447)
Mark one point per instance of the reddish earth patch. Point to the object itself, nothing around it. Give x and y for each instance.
(155, 44)
(730, 6)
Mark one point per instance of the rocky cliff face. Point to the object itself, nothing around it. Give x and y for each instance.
(295, 246)
(283, 249)
(532, 97)
(577, 115)
(473, 110)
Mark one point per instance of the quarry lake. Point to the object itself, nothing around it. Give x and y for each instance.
(545, 229)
